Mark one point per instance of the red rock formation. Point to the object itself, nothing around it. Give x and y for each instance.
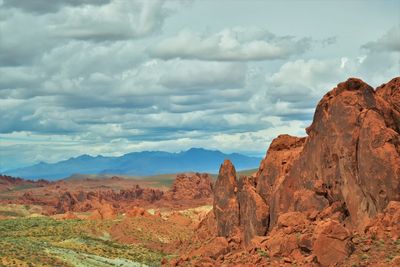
(350, 155)
(103, 212)
(226, 206)
(313, 191)
(254, 212)
(387, 223)
(186, 187)
(9, 181)
(332, 243)
(85, 201)
(281, 154)
(137, 212)
(215, 248)
(207, 228)
(189, 186)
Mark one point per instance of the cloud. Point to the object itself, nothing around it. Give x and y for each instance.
(26, 37)
(236, 44)
(56, 147)
(17, 77)
(389, 42)
(310, 75)
(197, 75)
(109, 78)
(45, 6)
(117, 20)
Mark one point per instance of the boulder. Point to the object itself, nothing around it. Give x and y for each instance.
(216, 247)
(332, 243)
(387, 223)
(104, 212)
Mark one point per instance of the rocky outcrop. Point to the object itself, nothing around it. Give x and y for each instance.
(387, 223)
(351, 155)
(280, 157)
(84, 201)
(8, 182)
(137, 212)
(281, 154)
(189, 186)
(332, 243)
(103, 212)
(311, 193)
(253, 210)
(226, 205)
(241, 213)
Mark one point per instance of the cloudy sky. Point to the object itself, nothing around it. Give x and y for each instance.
(111, 76)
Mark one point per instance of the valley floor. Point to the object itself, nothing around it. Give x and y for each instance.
(30, 239)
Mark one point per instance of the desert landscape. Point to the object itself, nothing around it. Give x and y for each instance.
(331, 198)
(199, 133)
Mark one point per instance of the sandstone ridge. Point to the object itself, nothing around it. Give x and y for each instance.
(317, 192)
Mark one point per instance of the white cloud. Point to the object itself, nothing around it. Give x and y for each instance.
(25, 37)
(119, 19)
(207, 75)
(92, 77)
(236, 44)
(45, 6)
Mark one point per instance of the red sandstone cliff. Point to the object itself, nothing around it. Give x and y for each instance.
(311, 194)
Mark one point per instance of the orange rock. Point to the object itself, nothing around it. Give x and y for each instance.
(218, 246)
(95, 215)
(226, 206)
(351, 155)
(386, 224)
(137, 212)
(178, 218)
(395, 261)
(332, 243)
(281, 244)
(88, 201)
(69, 216)
(189, 186)
(292, 219)
(103, 212)
(207, 228)
(254, 212)
(346, 170)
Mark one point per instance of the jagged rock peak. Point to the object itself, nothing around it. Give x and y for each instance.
(226, 206)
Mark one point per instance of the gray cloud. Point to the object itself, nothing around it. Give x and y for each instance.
(27, 37)
(237, 44)
(390, 42)
(119, 20)
(71, 83)
(198, 75)
(45, 6)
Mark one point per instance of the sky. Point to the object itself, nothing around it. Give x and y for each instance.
(112, 76)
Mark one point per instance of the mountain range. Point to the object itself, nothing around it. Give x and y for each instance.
(136, 164)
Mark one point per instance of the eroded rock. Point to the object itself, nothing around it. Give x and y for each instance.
(226, 205)
(332, 243)
(188, 186)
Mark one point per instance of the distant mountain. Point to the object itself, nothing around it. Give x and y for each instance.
(137, 164)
